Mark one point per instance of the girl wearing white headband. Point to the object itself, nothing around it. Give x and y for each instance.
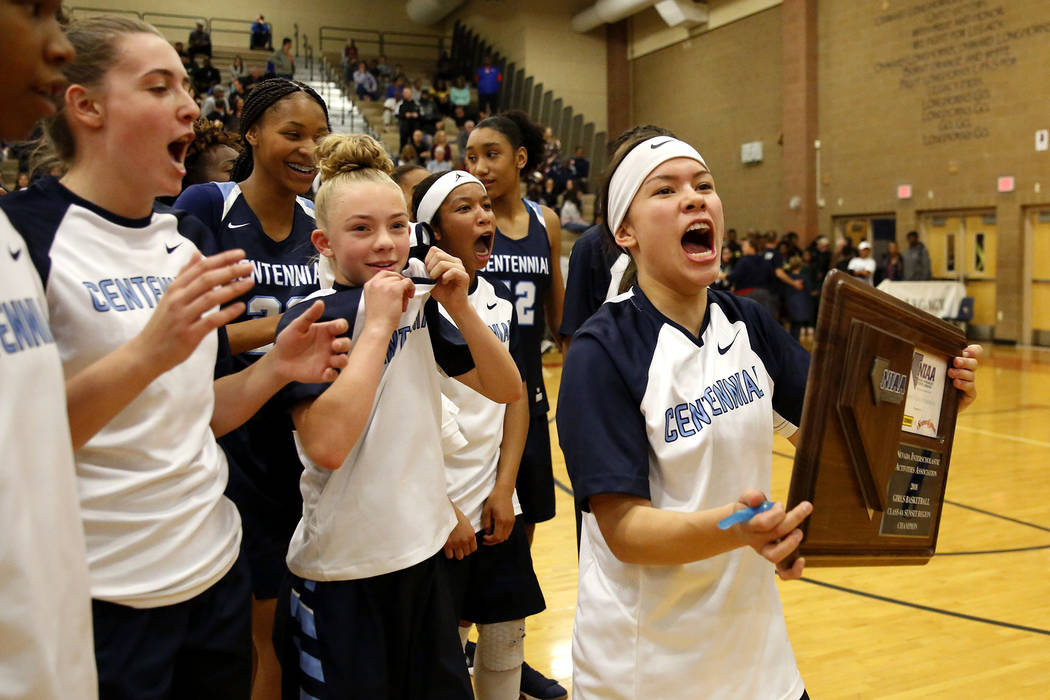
(670, 396)
(368, 613)
(487, 556)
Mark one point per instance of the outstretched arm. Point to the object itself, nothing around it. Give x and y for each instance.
(304, 351)
(96, 394)
(638, 533)
(330, 425)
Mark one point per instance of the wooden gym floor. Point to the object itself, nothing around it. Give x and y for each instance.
(972, 623)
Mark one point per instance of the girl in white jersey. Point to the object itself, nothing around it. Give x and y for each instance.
(368, 613)
(129, 299)
(45, 610)
(670, 396)
(493, 582)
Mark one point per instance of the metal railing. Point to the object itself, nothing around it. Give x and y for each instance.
(224, 26)
(382, 41)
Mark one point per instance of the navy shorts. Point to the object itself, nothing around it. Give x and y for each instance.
(535, 485)
(496, 583)
(389, 636)
(197, 649)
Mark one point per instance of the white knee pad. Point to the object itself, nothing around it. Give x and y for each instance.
(501, 646)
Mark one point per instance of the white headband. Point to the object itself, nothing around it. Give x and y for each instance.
(635, 168)
(441, 189)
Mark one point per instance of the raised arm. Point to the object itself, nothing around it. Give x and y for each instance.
(304, 351)
(330, 425)
(495, 375)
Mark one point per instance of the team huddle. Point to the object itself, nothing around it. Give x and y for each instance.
(303, 445)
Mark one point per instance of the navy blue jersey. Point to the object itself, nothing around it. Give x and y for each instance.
(524, 265)
(595, 271)
(284, 271)
(265, 475)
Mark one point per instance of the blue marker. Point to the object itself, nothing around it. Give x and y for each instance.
(742, 516)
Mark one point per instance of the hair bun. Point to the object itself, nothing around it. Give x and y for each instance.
(341, 154)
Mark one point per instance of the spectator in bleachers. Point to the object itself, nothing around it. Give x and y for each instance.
(407, 116)
(283, 63)
(459, 94)
(440, 139)
(464, 134)
(237, 68)
(409, 156)
(255, 75)
(237, 89)
(429, 117)
(417, 89)
(460, 116)
(365, 83)
(892, 265)
(550, 194)
(916, 259)
(488, 79)
(440, 95)
(798, 299)
(395, 89)
(350, 56)
(220, 113)
(579, 167)
(236, 103)
(383, 71)
(22, 181)
(439, 161)
(551, 149)
(262, 36)
(208, 103)
(421, 141)
(571, 213)
(200, 41)
(206, 77)
(180, 49)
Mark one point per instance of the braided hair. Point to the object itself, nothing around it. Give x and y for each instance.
(261, 97)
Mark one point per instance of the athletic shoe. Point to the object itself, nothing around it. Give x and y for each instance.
(536, 686)
(469, 651)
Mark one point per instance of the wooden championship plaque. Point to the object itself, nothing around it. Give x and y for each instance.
(878, 423)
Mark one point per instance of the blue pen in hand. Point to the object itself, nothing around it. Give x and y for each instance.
(742, 516)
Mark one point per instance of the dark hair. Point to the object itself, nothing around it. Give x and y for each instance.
(286, 40)
(261, 97)
(420, 191)
(206, 136)
(618, 150)
(521, 132)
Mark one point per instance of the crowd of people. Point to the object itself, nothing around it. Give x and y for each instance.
(787, 279)
(285, 446)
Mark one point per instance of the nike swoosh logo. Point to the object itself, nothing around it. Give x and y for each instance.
(15, 254)
(490, 306)
(231, 225)
(171, 248)
(662, 143)
(724, 350)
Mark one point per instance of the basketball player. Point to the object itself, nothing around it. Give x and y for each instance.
(670, 396)
(495, 586)
(262, 211)
(368, 613)
(129, 298)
